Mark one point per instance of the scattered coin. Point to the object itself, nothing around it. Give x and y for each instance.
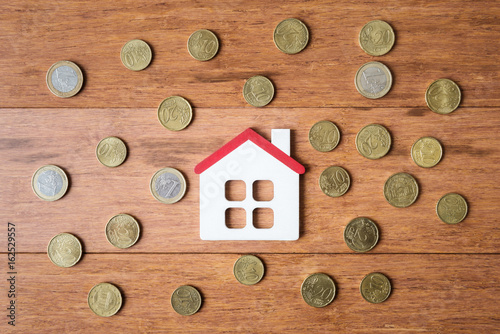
(104, 299)
(427, 152)
(375, 288)
(203, 45)
(168, 185)
(64, 78)
(122, 231)
(111, 152)
(258, 91)
(376, 38)
(318, 290)
(186, 300)
(361, 234)
(452, 208)
(324, 136)
(443, 96)
(334, 181)
(248, 270)
(136, 55)
(175, 113)
(291, 36)
(373, 80)
(64, 250)
(49, 183)
(401, 190)
(373, 141)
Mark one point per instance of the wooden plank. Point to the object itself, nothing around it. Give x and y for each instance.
(452, 39)
(68, 137)
(431, 294)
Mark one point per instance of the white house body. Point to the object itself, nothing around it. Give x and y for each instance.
(249, 158)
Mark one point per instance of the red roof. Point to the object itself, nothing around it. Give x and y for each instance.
(258, 140)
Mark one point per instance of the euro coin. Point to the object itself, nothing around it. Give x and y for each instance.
(168, 185)
(64, 250)
(427, 152)
(376, 38)
(375, 288)
(175, 113)
(324, 136)
(49, 183)
(122, 231)
(452, 208)
(258, 91)
(111, 152)
(248, 270)
(334, 181)
(361, 234)
(373, 80)
(443, 96)
(291, 36)
(64, 79)
(373, 141)
(318, 290)
(186, 300)
(136, 55)
(401, 190)
(105, 299)
(203, 45)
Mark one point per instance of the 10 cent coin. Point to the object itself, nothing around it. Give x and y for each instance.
(136, 55)
(334, 181)
(105, 299)
(111, 152)
(375, 288)
(248, 270)
(203, 45)
(186, 300)
(324, 136)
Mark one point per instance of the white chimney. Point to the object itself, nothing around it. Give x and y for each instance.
(281, 139)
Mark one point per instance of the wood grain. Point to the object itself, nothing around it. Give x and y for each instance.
(431, 294)
(68, 138)
(452, 39)
(445, 277)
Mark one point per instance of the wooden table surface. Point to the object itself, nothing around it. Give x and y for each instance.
(445, 278)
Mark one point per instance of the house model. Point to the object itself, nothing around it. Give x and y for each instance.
(249, 159)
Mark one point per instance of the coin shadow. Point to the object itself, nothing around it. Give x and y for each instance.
(68, 176)
(124, 296)
(202, 297)
(84, 78)
(152, 54)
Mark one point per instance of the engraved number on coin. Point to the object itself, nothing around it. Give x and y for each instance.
(110, 151)
(172, 111)
(135, 55)
(258, 91)
(204, 45)
(246, 270)
(324, 136)
(376, 289)
(372, 141)
(337, 181)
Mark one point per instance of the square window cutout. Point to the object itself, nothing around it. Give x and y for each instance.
(236, 218)
(263, 218)
(263, 190)
(235, 190)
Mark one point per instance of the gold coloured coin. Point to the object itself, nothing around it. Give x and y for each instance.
(375, 288)
(401, 190)
(64, 250)
(361, 234)
(136, 55)
(452, 208)
(427, 152)
(443, 96)
(64, 78)
(248, 270)
(186, 300)
(122, 231)
(324, 136)
(291, 36)
(376, 38)
(203, 45)
(334, 181)
(258, 91)
(373, 80)
(373, 141)
(49, 183)
(318, 290)
(175, 113)
(105, 299)
(111, 152)
(168, 185)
